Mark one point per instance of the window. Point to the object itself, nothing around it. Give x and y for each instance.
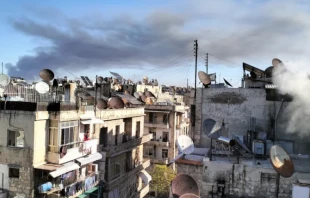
(148, 152)
(118, 166)
(154, 136)
(165, 137)
(14, 172)
(165, 118)
(165, 153)
(16, 138)
(69, 133)
(152, 118)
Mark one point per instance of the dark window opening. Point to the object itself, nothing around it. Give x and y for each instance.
(165, 153)
(14, 172)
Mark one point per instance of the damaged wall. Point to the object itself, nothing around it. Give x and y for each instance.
(236, 107)
(240, 180)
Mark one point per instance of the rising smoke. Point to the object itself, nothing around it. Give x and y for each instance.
(292, 80)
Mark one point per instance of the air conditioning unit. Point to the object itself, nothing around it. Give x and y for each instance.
(258, 147)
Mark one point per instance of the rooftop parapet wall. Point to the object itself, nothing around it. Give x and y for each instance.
(110, 114)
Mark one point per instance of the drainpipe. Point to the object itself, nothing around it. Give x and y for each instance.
(275, 122)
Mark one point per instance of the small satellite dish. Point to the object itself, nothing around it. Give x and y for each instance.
(185, 144)
(42, 87)
(101, 104)
(46, 75)
(4, 80)
(204, 78)
(184, 184)
(276, 62)
(136, 94)
(227, 83)
(143, 97)
(281, 161)
(116, 103)
(149, 94)
(189, 195)
(212, 128)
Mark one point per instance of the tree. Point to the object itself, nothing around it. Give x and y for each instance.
(161, 179)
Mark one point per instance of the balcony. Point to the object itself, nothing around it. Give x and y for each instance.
(160, 160)
(157, 125)
(158, 143)
(124, 147)
(128, 175)
(78, 150)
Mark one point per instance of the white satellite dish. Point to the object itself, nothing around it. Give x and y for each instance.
(185, 146)
(42, 87)
(1, 92)
(4, 80)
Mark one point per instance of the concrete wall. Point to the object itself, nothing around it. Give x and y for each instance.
(17, 157)
(236, 106)
(240, 180)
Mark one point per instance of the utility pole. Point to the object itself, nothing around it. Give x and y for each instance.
(207, 62)
(196, 51)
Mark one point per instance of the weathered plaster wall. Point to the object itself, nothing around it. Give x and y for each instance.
(236, 107)
(240, 180)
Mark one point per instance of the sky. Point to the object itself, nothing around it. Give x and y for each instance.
(153, 38)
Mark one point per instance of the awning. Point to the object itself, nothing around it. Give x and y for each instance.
(49, 167)
(87, 193)
(145, 176)
(89, 159)
(66, 168)
(92, 121)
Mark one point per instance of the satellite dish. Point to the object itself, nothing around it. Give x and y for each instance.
(116, 103)
(148, 101)
(227, 83)
(101, 104)
(136, 94)
(46, 75)
(149, 94)
(185, 144)
(212, 128)
(143, 97)
(42, 87)
(268, 72)
(281, 161)
(276, 62)
(4, 80)
(184, 184)
(189, 195)
(140, 93)
(100, 79)
(204, 78)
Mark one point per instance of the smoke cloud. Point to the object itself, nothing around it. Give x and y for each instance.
(293, 79)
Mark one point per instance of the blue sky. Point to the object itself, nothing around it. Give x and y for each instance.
(150, 38)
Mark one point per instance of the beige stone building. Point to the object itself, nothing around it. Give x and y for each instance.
(70, 149)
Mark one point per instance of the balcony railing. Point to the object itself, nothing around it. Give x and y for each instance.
(128, 175)
(114, 150)
(158, 143)
(74, 151)
(157, 125)
(160, 160)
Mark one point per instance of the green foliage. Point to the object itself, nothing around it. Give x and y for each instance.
(161, 179)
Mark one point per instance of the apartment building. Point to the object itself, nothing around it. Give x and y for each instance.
(69, 148)
(165, 123)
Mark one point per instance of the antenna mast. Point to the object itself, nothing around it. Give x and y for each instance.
(196, 51)
(207, 62)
